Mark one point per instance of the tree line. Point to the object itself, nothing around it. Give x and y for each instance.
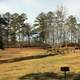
(48, 29)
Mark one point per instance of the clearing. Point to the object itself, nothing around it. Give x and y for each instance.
(15, 70)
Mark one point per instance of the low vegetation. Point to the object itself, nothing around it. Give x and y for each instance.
(51, 64)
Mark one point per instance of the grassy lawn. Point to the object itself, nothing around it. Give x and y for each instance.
(13, 71)
(20, 52)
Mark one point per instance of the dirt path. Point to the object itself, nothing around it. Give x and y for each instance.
(17, 59)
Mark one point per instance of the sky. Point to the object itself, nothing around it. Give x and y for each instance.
(33, 7)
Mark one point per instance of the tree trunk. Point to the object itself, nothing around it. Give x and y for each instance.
(29, 40)
(1, 39)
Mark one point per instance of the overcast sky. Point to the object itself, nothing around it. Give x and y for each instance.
(33, 7)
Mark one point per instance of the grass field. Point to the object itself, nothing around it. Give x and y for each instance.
(13, 71)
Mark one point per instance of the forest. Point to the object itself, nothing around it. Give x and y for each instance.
(49, 29)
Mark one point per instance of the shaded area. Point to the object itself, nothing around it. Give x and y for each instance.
(25, 58)
(40, 76)
(50, 76)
